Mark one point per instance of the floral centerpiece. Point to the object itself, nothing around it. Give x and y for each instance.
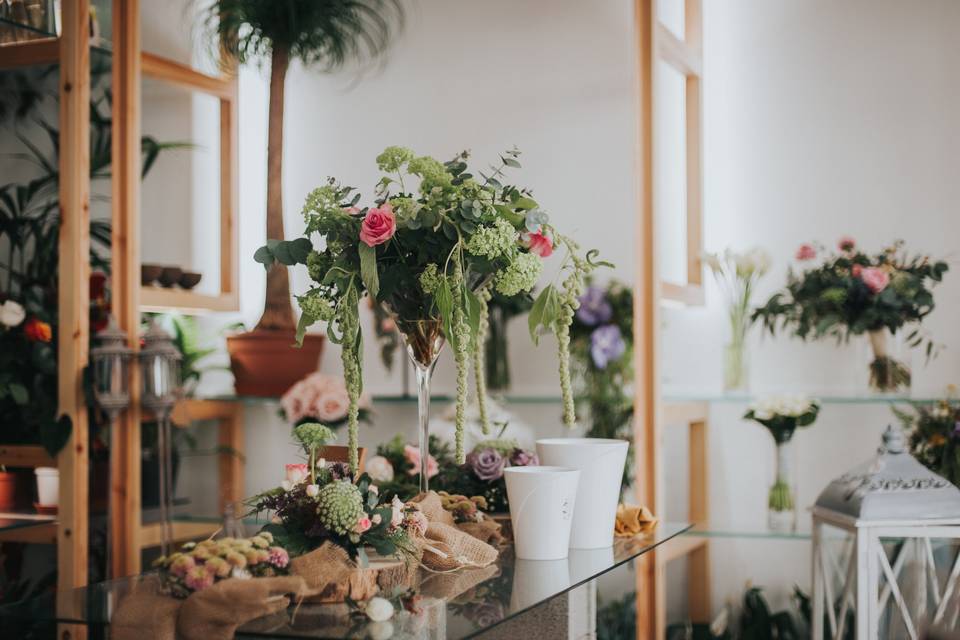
(934, 434)
(431, 247)
(321, 398)
(481, 474)
(397, 465)
(602, 346)
(854, 293)
(782, 415)
(737, 275)
(318, 503)
(198, 565)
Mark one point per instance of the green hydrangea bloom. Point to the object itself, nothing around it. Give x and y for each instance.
(316, 306)
(431, 171)
(339, 507)
(521, 275)
(493, 242)
(393, 158)
(430, 279)
(322, 200)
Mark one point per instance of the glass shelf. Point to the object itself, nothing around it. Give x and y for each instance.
(723, 398)
(389, 399)
(12, 520)
(13, 32)
(475, 602)
(747, 532)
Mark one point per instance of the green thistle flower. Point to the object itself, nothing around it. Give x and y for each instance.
(339, 507)
(521, 274)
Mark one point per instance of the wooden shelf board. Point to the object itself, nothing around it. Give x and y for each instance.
(159, 299)
(41, 533)
(182, 532)
(32, 456)
(30, 52)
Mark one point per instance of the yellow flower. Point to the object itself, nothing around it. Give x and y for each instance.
(237, 559)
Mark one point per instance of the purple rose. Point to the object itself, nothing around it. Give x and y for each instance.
(486, 464)
(606, 344)
(521, 458)
(594, 308)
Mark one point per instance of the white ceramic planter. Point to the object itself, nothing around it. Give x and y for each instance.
(542, 501)
(537, 580)
(48, 486)
(600, 462)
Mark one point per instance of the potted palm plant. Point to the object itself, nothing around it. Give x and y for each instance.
(319, 34)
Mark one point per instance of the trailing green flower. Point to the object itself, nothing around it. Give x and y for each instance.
(340, 507)
(479, 352)
(461, 353)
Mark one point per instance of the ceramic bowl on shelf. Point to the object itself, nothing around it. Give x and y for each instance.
(170, 276)
(190, 279)
(149, 273)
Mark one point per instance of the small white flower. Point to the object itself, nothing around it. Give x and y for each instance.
(322, 463)
(376, 519)
(379, 609)
(380, 630)
(396, 517)
(241, 574)
(374, 489)
(285, 485)
(11, 313)
(313, 490)
(379, 469)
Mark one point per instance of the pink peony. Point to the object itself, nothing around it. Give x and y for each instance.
(378, 226)
(806, 252)
(332, 406)
(875, 278)
(412, 455)
(363, 524)
(297, 473)
(846, 243)
(539, 244)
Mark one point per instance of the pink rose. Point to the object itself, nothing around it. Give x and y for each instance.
(297, 473)
(378, 226)
(806, 252)
(846, 243)
(332, 406)
(875, 278)
(363, 524)
(539, 244)
(412, 455)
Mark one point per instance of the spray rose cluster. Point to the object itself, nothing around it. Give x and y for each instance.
(197, 566)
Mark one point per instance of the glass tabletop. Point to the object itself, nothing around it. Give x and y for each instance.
(458, 605)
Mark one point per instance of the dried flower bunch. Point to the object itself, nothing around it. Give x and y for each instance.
(934, 430)
(197, 566)
(431, 248)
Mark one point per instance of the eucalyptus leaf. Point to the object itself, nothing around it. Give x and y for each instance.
(368, 268)
(264, 256)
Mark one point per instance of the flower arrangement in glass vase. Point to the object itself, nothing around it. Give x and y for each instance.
(199, 565)
(737, 275)
(782, 415)
(437, 239)
(602, 347)
(319, 502)
(321, 398)
(934, 434)
(852, 293)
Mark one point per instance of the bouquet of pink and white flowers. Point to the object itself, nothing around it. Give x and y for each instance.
(198, 566)
(320, 398)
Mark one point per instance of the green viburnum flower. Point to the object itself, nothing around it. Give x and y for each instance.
(316, 306)
(313, 435)
(521, 274)
(430, 279)
(493, 242)
(317, 266)
(393, 158)
(322, 200)
(404, 208)
(432, 173)
(339, 507)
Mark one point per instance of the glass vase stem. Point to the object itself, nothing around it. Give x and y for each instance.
(423, 409)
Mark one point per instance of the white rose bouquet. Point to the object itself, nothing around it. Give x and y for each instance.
(781, 415)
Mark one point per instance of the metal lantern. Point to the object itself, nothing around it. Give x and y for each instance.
(110, 359)
(160, 367)
(894, 518)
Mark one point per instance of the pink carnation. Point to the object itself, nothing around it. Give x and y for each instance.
(846, 243)
(806, 252)
(279, 557)
(412, 455)
(875, 278)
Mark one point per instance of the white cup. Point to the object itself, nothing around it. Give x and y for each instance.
(48, 486)
(542, 500)
(535, 581)
(601, 463)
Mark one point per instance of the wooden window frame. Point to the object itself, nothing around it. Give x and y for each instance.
(224, 89)
(686, 57)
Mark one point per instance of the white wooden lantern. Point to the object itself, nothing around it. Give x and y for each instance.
(893, 502)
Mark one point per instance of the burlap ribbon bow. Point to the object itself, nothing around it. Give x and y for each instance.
(447, 546)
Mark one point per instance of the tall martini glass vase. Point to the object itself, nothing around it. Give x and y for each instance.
(423, 339)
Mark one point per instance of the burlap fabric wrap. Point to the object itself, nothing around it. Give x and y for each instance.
(211, 614)
(448, 546)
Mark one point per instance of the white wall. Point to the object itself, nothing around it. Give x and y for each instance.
(821, 119)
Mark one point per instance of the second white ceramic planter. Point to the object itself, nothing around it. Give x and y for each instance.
(600, 462)
(542, 501)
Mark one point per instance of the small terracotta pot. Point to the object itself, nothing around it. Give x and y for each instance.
(267, 363)
(8, 491)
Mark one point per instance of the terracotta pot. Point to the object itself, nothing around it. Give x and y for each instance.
(8, 491)
(267, 363)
